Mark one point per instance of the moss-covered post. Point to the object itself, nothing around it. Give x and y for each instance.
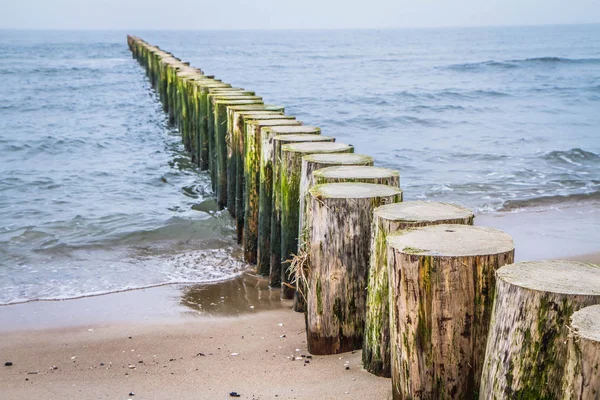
(582, 378)
(212, 97)
(220, 118)
(390, 219)
(311, 163)
(290, 172)
(338, 258)
(527, 350)
(202, 140)
(252, 143)
(442, 281)
(265, 190)
(240, 121)
(256, 110)
(278, 142)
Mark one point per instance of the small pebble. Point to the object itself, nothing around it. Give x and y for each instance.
(234, 394)
(131, 394)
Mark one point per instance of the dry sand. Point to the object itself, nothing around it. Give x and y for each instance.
(170, 326)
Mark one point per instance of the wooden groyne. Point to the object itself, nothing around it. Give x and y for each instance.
(435, 303)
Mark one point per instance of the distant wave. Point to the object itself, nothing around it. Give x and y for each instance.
(516, 63)
(548, 201)
(574, 156)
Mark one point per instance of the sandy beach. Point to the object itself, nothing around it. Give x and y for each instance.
(206, 341)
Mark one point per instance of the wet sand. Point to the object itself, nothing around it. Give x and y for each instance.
(169, 326)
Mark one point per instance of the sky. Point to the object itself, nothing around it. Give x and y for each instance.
(290, 14)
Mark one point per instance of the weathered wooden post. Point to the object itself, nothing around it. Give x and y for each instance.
(252, 150)
(220, 118)
(240, 121)
(291, 168)
(441, 293)
(390, 219)
(233, 146)
(582, 377)
(526, 352)
(265, 191)
(338, 258)
(203, 141)
(278, 142)
(313, 162)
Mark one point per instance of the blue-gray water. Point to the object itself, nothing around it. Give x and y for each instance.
(97, 195)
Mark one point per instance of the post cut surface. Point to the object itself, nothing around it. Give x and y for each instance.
(452, 241)
(422, 211)
(556, 276)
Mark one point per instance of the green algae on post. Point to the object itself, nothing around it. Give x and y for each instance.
(527, 354)
(278, 141)
(388, 219)
(338, 258)
(440, 306)
(290, 170)
(265, 191)
(233, 144)
(221, 145)
(582, 376)
(252, 151)
(311, 163)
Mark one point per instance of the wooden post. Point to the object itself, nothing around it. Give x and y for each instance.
(232, 144)
(338, 258)
(278, 142)
(220, 129)
(291, 168)
(311, 163)
(527, 353)
(441, 294)
(203, 140)
(252, 142)
(265, 190)
(213, 126)
(582, 378)
(240, 121)
(390, 219)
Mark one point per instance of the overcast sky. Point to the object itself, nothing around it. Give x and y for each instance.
(290, 14)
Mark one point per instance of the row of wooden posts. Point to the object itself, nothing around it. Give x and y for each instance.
(433, 301)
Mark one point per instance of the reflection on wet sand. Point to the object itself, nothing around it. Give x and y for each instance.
(245, 294)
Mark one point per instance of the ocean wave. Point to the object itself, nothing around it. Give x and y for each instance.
(516, 63)
(575, 156)
(551, 201)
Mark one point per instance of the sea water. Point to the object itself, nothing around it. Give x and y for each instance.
(97, 194)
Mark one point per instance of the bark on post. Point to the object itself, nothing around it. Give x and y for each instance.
(220, 129)
(278, 142)
(442, 281)
(390, 219)
(232, 156)
(252, 142)
(265, 190)
(311, 163)
(338, 258)
(291, 168)
(582, 378)
(527, 353)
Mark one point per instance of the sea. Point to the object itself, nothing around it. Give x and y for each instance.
(97, 194)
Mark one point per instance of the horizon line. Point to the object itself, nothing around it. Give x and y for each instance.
(301, 29)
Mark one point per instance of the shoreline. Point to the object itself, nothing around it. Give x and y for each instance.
(171, 325)
(556, 233)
